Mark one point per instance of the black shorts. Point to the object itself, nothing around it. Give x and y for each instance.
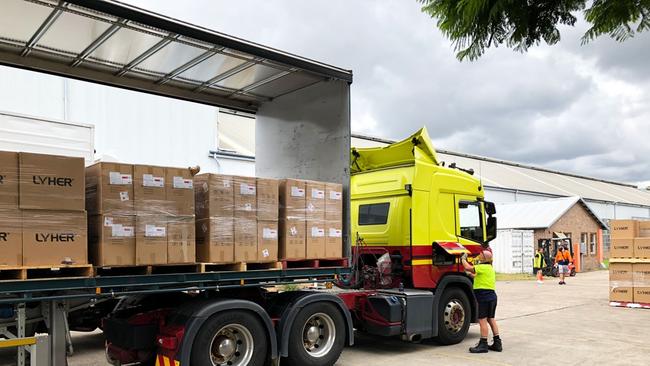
(487, 309)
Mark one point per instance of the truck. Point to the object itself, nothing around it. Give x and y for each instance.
(407, 217)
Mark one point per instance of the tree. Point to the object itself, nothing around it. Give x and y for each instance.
(475, 25)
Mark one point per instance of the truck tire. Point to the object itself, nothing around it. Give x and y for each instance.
(454, 315)
(234, 338)
(317, 336)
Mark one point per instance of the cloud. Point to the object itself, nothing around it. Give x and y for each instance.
(583, 109)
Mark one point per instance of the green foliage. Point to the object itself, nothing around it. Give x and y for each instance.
(475, 25)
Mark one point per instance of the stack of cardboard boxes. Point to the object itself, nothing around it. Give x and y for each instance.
(237, 219)
(42, 217)
(140, 215)
(310, 220)
(629, 269)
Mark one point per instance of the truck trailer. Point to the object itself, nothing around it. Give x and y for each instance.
(407, 217)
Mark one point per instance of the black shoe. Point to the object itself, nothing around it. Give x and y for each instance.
(496, 345)
(481, 347)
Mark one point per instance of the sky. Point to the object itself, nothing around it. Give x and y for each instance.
(580, 109)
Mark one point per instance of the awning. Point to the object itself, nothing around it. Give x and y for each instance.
(120, 45)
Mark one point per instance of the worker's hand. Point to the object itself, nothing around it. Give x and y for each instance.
(464, 257)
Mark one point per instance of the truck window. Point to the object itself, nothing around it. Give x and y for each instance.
(373, 214)
(470, 221)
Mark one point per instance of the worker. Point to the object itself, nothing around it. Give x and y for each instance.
(484, 290)
(539, 263)
(562, 260)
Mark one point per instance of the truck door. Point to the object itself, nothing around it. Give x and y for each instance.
(470, 222)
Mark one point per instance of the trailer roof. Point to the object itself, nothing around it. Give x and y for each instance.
(116, 44)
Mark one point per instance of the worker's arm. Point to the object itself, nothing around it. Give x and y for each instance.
(468, 267)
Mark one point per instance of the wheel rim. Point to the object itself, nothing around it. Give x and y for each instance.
(318, 335)
(232, 345)
(454, 316)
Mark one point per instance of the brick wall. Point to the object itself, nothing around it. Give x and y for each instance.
(575, 221)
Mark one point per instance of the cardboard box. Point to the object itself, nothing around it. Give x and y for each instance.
(149, 190)
(111, 240)
(8, 180)
(292, 200)
(214, 196)
(179, 191)
(641, 277)
(52, 238)
(268, 199)
(150, 239)
(245, 198)
(245, 240)
(641, 247)
(11, 238)
(215, 240)
(333, 202)
(51, 182)
(333, 239)
(622, 248)
(623, 229)
(267, 241)
(644, 229)
(181, 243)
(315, 239)
(109, 189)
(315, 201)
(292, 244)
(620, 282)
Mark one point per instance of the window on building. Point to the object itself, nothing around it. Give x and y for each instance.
(584, 242)
(592, 243)
(469, 214)
(373, 214)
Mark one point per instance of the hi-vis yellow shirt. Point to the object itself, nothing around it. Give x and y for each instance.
(485, 278)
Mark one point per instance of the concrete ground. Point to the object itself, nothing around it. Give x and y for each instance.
(540, 324)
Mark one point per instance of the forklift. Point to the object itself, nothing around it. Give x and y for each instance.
(550, 248)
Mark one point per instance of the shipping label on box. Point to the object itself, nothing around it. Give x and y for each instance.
(245, 198)
(623, 229)
(641, 275)
(642, 247)
(8, 180)
(51, 182)
(181, 244)
(11, 238)
(151, 240)
(621, 282)
(622, 248)
(214, 195)
(215, 240)
(268, 199)
(109, 189)
(52, 238)
(149, 190)
(111, 240)
(180, 193)
(245, 240)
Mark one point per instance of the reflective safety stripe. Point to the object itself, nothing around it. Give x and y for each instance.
(165, 361)
(16, 342)
(421, 262)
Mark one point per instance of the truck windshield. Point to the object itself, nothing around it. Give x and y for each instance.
(373, 214)
(470, 221)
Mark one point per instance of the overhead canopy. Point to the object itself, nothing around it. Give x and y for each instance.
(539, 214)
(120, 45)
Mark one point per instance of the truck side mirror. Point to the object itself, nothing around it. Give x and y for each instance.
(490, 208)
(491, 229)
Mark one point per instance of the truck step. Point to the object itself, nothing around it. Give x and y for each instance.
(45, 272)
(314, 263)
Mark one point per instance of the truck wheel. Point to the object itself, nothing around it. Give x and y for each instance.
(317, 336)
(454, 314)
(233, 338)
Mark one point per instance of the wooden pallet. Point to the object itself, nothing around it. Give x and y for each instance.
(183, 268)
(238, 267)
(623, 304)
(314, 263)
(44, 272)
(629, 260)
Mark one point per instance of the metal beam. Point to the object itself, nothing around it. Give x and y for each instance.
(190, 64)
(98, 42)
(148, 53)
(43, 28)
(259, 83)
(228, 73)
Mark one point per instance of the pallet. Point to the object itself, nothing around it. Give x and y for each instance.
(183, 268)
(629, 260)
(622, 304)
(238, 267)
(45, 272)
(314, 263)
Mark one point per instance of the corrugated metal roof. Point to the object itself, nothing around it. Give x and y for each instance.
(538, 214)
(514, 176)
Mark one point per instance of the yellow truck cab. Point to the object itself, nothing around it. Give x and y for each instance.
(412, 219)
